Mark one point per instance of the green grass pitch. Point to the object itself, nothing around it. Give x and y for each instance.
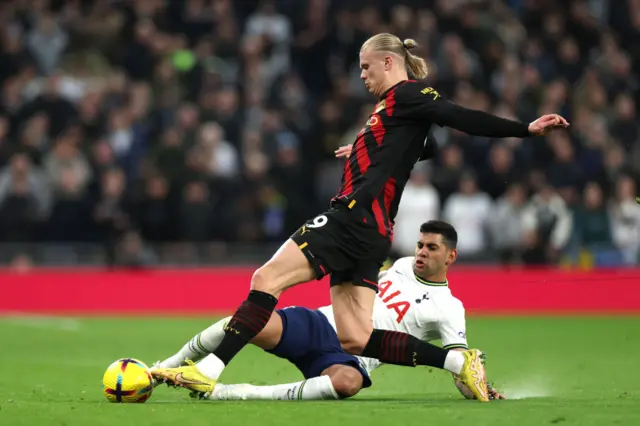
(567, 371)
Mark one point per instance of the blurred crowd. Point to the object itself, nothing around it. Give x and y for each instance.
(133, 123)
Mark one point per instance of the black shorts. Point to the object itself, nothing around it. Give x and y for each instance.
(338, 242)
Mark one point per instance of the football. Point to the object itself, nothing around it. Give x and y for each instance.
(127, 380)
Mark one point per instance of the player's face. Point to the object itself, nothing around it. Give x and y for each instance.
(432, 255)
(373, 67)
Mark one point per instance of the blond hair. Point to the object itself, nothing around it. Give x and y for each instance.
(385, 42)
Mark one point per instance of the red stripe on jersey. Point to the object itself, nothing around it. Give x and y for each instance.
(378, 132)
(389, 195)
(391, 102)
(377, 213)
(347, 188)
(362, 155)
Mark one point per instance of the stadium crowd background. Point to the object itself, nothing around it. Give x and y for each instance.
(201, 131)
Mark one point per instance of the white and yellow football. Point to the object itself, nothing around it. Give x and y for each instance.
(127, 380)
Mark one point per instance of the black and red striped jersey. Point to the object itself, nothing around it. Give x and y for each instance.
(395, 138)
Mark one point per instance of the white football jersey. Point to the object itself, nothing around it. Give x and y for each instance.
(412, 305)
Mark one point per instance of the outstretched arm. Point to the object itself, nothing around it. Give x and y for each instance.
(424, 104)
(479, 123)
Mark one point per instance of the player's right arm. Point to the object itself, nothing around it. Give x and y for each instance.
(421, 102)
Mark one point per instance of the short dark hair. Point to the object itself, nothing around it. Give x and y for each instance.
(448, 232)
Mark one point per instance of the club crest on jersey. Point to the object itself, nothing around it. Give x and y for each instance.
(380, 106)
(374, 120)
(424, 297)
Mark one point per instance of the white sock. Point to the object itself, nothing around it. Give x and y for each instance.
(211, 366)
(316, 388)
(200, 345)
(454, 362)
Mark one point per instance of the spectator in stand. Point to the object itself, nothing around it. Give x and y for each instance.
(111, 211)
(468, 210)
(501, 171)
(506, 224)
(420, 203)
(592, 224)
(446, 177)
(564, 170)
(132, 253)
(625, 220)
(46, 42)
(23, 179)
(547, 224)
(220, 156)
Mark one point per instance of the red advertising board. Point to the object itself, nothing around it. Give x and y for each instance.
(216, 291)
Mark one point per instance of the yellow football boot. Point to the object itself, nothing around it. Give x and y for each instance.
(473, 375)
(188, 377)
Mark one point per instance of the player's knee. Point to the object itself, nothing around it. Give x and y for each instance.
(352, 346)
(264, 280)
(346, 381)
(355, 343)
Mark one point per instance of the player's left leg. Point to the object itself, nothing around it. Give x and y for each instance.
(179, 370)
(288, 267)
(353, 311)
(208, 340)
(197, 347)
(338, 381)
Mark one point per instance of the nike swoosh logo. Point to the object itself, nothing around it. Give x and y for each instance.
(180, 378)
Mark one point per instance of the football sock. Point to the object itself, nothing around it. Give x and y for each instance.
(454, 362)
(246, 323)
(316, 388)
(211, 366)
(394, 347)
(200, 345)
